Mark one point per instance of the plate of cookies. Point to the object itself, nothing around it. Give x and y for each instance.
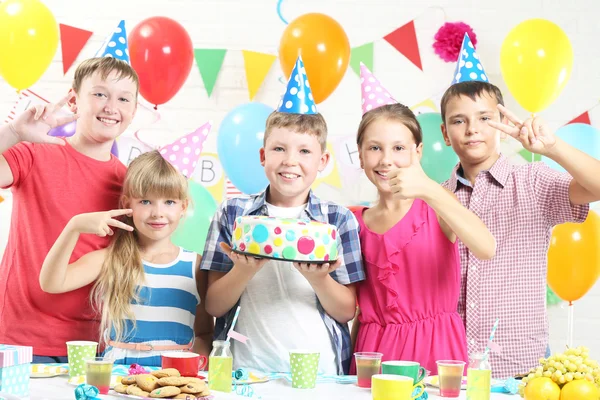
(165, 384)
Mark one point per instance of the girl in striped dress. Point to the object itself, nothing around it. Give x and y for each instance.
(148, 291)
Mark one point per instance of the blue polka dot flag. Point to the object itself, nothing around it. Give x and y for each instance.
(468, 65)
(116, 45)
(298, 98)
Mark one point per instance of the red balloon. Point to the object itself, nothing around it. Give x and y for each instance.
(161, 53)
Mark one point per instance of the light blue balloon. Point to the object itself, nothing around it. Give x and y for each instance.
(581, 136)
(238, 143)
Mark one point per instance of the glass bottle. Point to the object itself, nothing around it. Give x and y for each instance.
(479, 377)
(220, 365)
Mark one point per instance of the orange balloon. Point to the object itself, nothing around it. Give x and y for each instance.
(574, 258)
(325, 50)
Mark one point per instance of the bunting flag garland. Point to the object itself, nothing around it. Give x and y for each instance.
(257, 66)
(209, 173)
(581, 119)
(404, 39)
(1, 199)
(209, 62)
(72, 40)
(361, 54)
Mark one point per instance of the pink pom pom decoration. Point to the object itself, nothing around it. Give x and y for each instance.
(449, 38)
(136, 369)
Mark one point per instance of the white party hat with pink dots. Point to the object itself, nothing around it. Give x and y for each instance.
(184, 153)
(373, 94)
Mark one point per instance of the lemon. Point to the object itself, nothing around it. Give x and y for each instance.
(542, 389)
(580, 389)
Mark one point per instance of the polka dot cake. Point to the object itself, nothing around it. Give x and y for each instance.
(285, 239)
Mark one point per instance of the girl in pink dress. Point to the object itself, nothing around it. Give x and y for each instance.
(408, 304)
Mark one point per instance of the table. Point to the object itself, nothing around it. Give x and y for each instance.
(57, 388)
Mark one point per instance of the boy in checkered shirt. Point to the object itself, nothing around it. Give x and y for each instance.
(286, 305)
(519, 204)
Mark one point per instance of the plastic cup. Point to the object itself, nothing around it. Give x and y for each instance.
(98, 372)
(367, 365)
(450, 373)
(79, 352)
(304, 366)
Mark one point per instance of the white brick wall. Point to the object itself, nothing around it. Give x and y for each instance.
(254, 25)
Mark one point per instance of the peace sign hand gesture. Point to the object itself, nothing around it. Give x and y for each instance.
(100, 223)
(34, 124)
(534, 134)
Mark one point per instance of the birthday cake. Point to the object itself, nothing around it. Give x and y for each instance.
(285, 239)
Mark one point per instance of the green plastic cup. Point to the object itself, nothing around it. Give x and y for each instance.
(79, 352)
(304, 366)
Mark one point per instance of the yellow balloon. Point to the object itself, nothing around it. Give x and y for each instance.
(574, 258)
(28, 41)
(536, 59)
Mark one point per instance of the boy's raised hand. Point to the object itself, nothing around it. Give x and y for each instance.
(410, 182)
(533, 133)
(34, 124)
(100, 223)
(246, 263)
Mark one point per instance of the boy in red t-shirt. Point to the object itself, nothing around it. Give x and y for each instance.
(53, 179)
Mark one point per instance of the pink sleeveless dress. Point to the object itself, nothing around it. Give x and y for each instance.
(409, 300)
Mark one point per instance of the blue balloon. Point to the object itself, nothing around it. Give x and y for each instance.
(583, 137)
(238, 143)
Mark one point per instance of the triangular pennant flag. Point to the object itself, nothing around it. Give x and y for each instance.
(72, 40)
(404, 39)
(361, 54)
(298, 98)
(257, 67)
(1, 199)
(209, 62)
(582, 119)
(184, 153)
(468, 65)
(116, 46)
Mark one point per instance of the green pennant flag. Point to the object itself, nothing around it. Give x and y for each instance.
(209, 62)
(362, 54)
(526, 154)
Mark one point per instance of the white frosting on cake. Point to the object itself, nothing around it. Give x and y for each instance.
(285, 238)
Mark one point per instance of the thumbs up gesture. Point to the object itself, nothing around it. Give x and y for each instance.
(411, 182)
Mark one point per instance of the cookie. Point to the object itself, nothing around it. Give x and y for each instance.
(136, 391)
(174, 381)
(204, 393)
(162, 373)
(193, 388)
(146, 382)
(128, 380)
(185, 396)
(165, 391)
(120, 388)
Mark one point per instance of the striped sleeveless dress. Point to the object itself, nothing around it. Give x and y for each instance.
(165, 312)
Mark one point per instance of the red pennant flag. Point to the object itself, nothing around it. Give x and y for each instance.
(72, 41)
(404, 39)
(582, 119)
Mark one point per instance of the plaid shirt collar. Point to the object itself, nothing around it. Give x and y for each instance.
(500, 171)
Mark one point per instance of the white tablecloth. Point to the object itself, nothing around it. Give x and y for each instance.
(58, 388)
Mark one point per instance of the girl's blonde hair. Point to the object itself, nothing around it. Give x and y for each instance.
(122, 272)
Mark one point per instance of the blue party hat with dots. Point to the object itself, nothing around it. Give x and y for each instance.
(116, 45)
(298, 98)
(468, 65)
